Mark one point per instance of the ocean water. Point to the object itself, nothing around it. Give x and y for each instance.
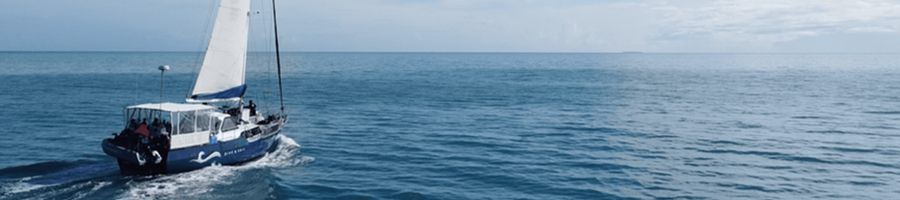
(480, 126)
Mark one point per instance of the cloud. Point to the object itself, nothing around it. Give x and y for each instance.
(468, 25)
(583, 25)
(460, 25)
(768, 22)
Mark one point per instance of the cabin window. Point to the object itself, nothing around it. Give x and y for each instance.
(216, 125)
(134, 117)
(129, 119)
(202, 122)
(229, 124)
(144, 116)
(186, 125)
(175, 125)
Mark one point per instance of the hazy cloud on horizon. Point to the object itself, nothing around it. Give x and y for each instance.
(468, 25)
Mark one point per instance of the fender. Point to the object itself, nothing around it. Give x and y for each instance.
(140, 160)
(158, 157)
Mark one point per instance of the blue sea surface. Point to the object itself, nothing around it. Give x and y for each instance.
(479, 126)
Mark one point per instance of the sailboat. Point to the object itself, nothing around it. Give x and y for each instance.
(213, 126)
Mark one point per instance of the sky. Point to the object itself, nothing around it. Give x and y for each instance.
(850, 26)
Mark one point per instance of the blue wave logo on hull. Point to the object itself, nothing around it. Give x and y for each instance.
(201, 159)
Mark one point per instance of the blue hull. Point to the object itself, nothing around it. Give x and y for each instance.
(237, 151)
(223, 153)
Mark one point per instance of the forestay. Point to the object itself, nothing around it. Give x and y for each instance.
(221, 76)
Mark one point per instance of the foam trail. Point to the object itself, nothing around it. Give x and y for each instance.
(20, 187)
(50, 178)
(79, 173)
(77, 190)
(96, 187)
(283, 156)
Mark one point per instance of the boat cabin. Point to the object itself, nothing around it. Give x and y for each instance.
(186, 124)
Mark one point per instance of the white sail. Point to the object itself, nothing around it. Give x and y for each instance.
(221, 76)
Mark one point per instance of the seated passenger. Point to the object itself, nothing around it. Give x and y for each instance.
(167, 126)
(132, 124)
(155, 127)
(142, 129)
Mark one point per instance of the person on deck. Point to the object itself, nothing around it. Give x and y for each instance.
(132, 124)
(155, 127)
(252, 107)
(168, 126)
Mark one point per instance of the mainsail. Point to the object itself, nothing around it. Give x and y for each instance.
(221, 76)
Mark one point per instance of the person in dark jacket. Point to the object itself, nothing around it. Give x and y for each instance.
(252, 107)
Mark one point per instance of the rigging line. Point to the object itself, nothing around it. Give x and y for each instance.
(253, 57)
(259, 58)
(263, 55)
(137, 86)
(278, 56)
(270, 62)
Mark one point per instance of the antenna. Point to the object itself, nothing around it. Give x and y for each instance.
(162, 70)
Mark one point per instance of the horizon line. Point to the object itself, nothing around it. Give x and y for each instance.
(444, 52)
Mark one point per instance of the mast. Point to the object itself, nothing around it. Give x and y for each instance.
(278, 57)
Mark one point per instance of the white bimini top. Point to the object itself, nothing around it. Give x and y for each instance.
(172, 107)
